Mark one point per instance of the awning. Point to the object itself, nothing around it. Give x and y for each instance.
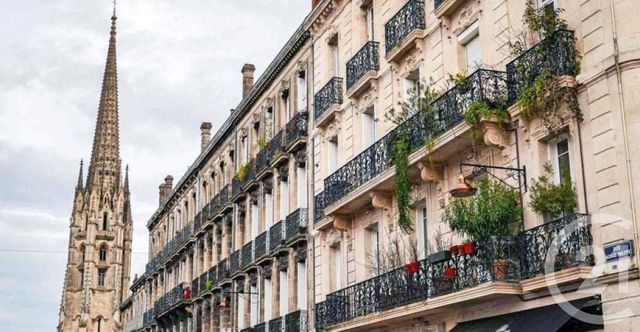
(543, 319)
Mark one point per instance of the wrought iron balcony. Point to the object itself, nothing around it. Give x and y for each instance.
(483, 85)
(234, 262)
(149, 317)
(202, 283)
(330, 94)
(169, 300)
(276, 235)
(223, 269)
(261, 244)
(363, 62)
(555, 53)
(296, 130)
(276, 324)
(566, 241)
(195, 287)
(274, 149)
(437, 3)
(247, 255)
(407, 20)
(318, 207)
(295, 321)
(296, 224)
(262, 327)
(170, 249)
(197, 221)
(212, 274)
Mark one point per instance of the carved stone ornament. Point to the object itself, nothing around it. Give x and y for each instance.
(341, 222)
(253, 278)
(368, 217)
(494, 135)
(267, 185)
(333, 128)
(255, 195)
(381, 200)
(283, 261)
(468, 15)
(242, 209)
(430, 173)
(266, 270)
(301, 251)
(283, 172)
(301, 157)
(256, 120)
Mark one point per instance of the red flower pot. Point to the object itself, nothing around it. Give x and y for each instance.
(413, 267)
(186, 293)
(454, 250)
(450, 272)
(469, 248)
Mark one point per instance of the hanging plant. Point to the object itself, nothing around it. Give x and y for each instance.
(480, 111)
(552, 199)
(262, 143)
(242, 172)
(490, 212)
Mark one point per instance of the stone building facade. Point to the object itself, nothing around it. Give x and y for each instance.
(287, 219)
(99, 259)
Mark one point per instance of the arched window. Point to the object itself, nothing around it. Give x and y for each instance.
(99, 323)
(105, 221)
(103, 253)
(82, 253)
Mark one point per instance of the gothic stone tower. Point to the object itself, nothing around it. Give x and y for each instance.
(99, 260)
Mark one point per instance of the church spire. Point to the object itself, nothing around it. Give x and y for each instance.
(104, 167)
(80, 177)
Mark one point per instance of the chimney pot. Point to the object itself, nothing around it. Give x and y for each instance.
(205, 135)
(247, 78)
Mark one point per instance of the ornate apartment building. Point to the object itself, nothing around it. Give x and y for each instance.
(331, 198)
(99, 259)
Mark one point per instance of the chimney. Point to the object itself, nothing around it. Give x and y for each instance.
(165, 189)
(205, 135)
(247, 78)
(314, 3)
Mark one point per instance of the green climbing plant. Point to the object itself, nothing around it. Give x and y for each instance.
(551, 199)
(242, 172)
(479, 111)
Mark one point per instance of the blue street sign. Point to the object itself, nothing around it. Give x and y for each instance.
(614, 252)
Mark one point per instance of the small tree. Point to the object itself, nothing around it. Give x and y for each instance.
(552, 199)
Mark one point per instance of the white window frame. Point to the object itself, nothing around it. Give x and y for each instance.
(268, 299)
(302, 186)
(302, 285)
(370, 23)
(422, 235)
(554, 157)
(471, 34)
(544, 3)
(302, 91)
(268, 199)
(253, 305)
(368, 127)
(284, 199)
(333, 149)
(374, 248)
(255, 219)
(284, 292)
(412, 82)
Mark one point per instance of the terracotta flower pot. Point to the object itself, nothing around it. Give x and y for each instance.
(469, 248)
(450, 272)
(413, 267)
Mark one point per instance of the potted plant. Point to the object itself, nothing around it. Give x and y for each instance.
(550, 199)
(450, 272)
(413, 267)
(454, 250)
(490, 213)
(208, 285)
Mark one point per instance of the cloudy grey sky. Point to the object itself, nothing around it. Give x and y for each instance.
(179, 64)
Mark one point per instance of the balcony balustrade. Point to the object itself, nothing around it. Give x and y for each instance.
(149, 317)
(195, 287)
(213, 274)
(271, 153)
(509, 260)
(202, 283)
(276, 235)
(362, 63)
(236, 188)
(262, 327)
(483, 85)
(555, 53)
(223, 269)
(170, 249)
(409, 19)
(276, 325)
(296, 131)
(329, 95)
(296, 224)
(168, 301)
(197, 221)
(247, 255)
(234, 262)
(295, 321)
(318, 207)
(261, 244)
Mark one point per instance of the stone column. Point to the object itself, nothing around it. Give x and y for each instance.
(215, 314)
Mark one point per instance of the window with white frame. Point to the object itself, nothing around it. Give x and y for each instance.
(561, 160)
(302, 285)
(302, 186)
(268, 300)
(373, 250)
(421, 231)
(284, 292)
(245, 149)
(370, 23)
(241, 303)
(332, 155)
(470, 40)
(268, 202)
(412, 84)
(254, 218)
(284, 198)
(302, 91)
(545, 3)
(335, 267)
(334, 56)
(368, 124)
(286, 104)
(253, 308)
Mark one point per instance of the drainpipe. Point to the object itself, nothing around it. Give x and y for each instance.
(312, 182)
(625, 135)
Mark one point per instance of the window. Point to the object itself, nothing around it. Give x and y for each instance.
(81, 277)
(267, 299)
(302, 91)
(99, 324)
(470, 40)
(284, 292)
(334, 56)
(241, 302)
(374, 249)
(335, 266)
(332, 155)
(254, 218)
(105, 221)
(268, 202)
(421, 232)
(370, 23)
(103, 253)
(545, 3)
(268, 126)
(286, 104)
(368, 127)
(412, 83)
(302, 286)
(302, 186)
(253, 305)
(245, 149)
(284, 198)
(101, 276)
(561, 160)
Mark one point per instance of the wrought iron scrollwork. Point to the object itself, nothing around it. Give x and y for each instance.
(330, 94)
(365, 60)
(409, 18)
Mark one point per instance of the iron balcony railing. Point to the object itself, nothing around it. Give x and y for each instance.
(296, 224)
(273, 149)
(318, 207)
(261, 327)
(296, 129)
(170, 249)
(223, 269)
(276, 235)
(276, 325)
(448, 112)
(409, 18)
(247, 255)
(236, 187)
(261, 245)
(364, 61)
(558, 245)
(330, 94)
(555, 53)
(295, 321)
(213, 275)
(168, 300)
(149, 317)
(202, 282)
(437, 3)
(234, 262)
